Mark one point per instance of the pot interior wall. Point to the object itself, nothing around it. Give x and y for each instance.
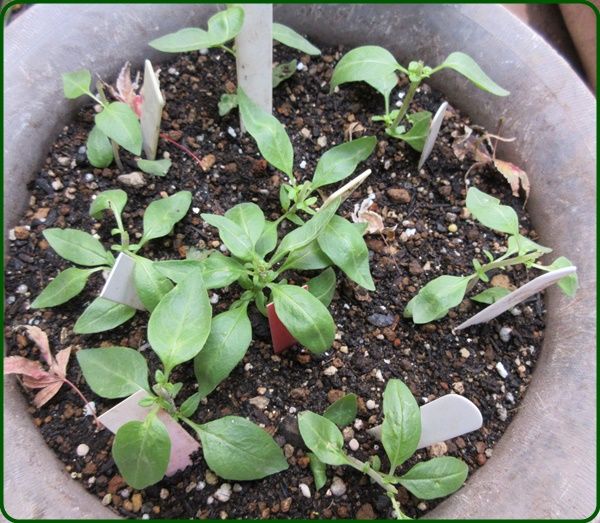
(549, 111)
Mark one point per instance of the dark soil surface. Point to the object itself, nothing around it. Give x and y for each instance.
(374, 343)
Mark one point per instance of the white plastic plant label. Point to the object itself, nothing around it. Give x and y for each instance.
(514, 298)
(434, 130)
(182, 444)
(119, 286)
(348, 188)
(444, 418)
(254, 55)
(152, 106)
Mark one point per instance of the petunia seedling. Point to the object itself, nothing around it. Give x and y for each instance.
(400, 435)
(436, 298)
(378, 67)
(85, 250)
(178, 330)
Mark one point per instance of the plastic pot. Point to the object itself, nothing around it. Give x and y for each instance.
(544, 466)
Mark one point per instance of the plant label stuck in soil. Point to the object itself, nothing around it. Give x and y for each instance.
(119, 286)
(434, 130)
(182, 444)
(254, 55)
(514, 298)
(281, 338)
(152, 106)
(444, 418)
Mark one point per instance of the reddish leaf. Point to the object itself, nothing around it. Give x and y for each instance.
(46, 394)
(126, 90)
(38, 336)
(516, 177)
(32, 383)
(62, 359)
(19, 365)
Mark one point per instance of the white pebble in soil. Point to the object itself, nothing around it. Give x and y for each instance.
(330, 371)
(371, 405)
(501, 370)
(231, 132)
(505, 334)
(82, 450)
(353, 444)
(502, 412)
(223, 493)
(22, 289)
(338, 487)
(304, 489)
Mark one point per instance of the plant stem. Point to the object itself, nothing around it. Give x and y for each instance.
(182, 147)
(228, 49)
(405, 104)
(115, 148)
(83, 398)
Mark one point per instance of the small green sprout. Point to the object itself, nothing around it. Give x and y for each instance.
(441, 294)
(378, 67)
(400, 435)
(84, 249)
(233, 447)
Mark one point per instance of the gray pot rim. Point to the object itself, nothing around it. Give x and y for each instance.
(557, 148)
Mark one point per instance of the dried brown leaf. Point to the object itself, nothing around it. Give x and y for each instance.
(363, 214)
(20, 365)
(32, 383)
(516, 177)
(38, 336)
(62, 359)
(354, 128)
(46, 394)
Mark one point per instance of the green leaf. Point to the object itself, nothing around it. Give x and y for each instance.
(318, 469)
(465, 65)
(114, 372)
(162, 215)
(417, 134)
(141, 451)
(76, 83)
(437, 298)
(491, 295)
(79, 247)
(322, 286)
(271, 138)
(308, 232)
(569, 283)
(435, 478)
(99, 149)
(155, 167)
(322, 437)
(178, 270)
(523, 245)
(371, 64)
(237, 449)
(490, 213)
(250, 218)
(102, 315)
(282, 72)
(115, 200)
(308, 258)
(119, 122)
(268, 239)
(217, 270)
(227, 103)
(151, 286)
(180, 323)
(343, 411)
(232, 235)
(307, 319)
(184, 40)
(287, 36)
(401, 429)
(190, 405)
(340, 161)
(225, 25)
(345, 246)
(67, 284)
(229, 339)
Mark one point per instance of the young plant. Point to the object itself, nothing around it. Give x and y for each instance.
(441, 294)
(224, 27)
(335, 165)
(83, 249)
(34, 376)
(400, 435)
(115, 125)
(233, 447)
(378, 67)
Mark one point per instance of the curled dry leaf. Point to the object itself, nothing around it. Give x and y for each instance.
(126, 90)
(362, 214)
(38, 336)
(353, 130)
(515, 176)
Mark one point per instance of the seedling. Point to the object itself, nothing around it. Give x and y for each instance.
(178, 329)
(84, 249)
(335, 165)
(116, 123)
(378, 67)
(34, 376)
(224, 27)
(441, 294)
(400, 435)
